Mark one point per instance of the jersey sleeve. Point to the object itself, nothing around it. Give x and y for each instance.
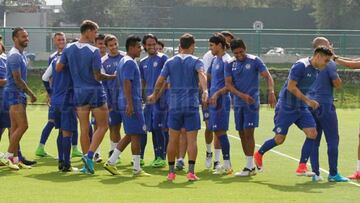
(96, 63)
(13, 62)
(332, 71)
(165, 70)
(297, 72)
(63, 57)
(227, 69)
(128, 70)
(199, 65)
(260, 65)
(141, 67)
(48, 73)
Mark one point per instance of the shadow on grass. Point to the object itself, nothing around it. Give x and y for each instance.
(171, 185)
(307, 187)
(58, 177)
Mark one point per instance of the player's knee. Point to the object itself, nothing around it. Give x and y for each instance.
(279, 139)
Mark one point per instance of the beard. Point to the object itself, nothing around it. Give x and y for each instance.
(24, 44)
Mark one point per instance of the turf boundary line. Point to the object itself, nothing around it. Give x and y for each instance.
(292, 158)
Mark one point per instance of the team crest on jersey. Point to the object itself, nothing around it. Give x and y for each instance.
(217, 66)
(247, 66)
(145, 66)
(155, 64)
(278, 130)
(144, 127)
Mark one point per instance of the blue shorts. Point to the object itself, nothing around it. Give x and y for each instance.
(114, 118)
(14, 97)
(285, 116)
(135, 124)
(154, 117)
(188, 119)
(4, 114)
(93, 97)
(219, 115)
(65, 118)
(246, 117)
(205, 113)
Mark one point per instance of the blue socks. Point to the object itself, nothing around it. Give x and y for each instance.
(143, 143)
(90, 155)
(306, 150)
(225, 146)
(66, 146)
(268, 145)
(20, 154)
(314, 159)
(333, 153)
(59, 141)
(155, 138)
(74, 138)
(46, 132)
(166, 141)
(91, 132)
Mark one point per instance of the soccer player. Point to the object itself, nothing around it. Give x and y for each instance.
(293, 105)
(354, 64)
(325, 117)
(184, 71)
(242, 80)
(100, 44)
(63, 111)
(150, 68)
(84, 63)
(130, 106)
(15, 93)
(59, 40)
(207, 59)
(160, 46)
(110, 63)
(219, 99)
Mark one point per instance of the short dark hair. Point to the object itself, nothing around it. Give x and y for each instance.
(99, 37)
(219, 38)
(186, 40)
(149, 36)
(161, 44)
(323, 51)
(227, 34)
(16, 30)
(109, 37)
(74, 40)
(237, 43)
(88, 25)
(59, 34)
(131, 41)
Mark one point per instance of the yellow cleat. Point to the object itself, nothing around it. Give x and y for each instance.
(140, 173)
(111, 168)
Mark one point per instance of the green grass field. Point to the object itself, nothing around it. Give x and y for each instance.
(278, 183)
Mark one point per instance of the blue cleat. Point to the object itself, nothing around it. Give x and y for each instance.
(83, 170)
(337, 178)
(89, 164)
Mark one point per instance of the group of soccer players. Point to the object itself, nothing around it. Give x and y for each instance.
(90, 78)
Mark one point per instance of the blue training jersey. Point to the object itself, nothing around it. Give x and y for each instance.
(16, 61)
(61, 84)
(53, 56)
(82, 59)
(109, 66)
(216, 70)
(305, 75)
(322, 89)
(2, 73)
(182, 71)
(245, 76)
(150, 69)
(129, 70)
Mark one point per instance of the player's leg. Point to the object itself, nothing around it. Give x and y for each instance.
(19, 126)
(314, 156)
(283, 119)
(101, 115)
(83, 113)
(181, 150)
(114, 127)
(173, 144)
(40, 150)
